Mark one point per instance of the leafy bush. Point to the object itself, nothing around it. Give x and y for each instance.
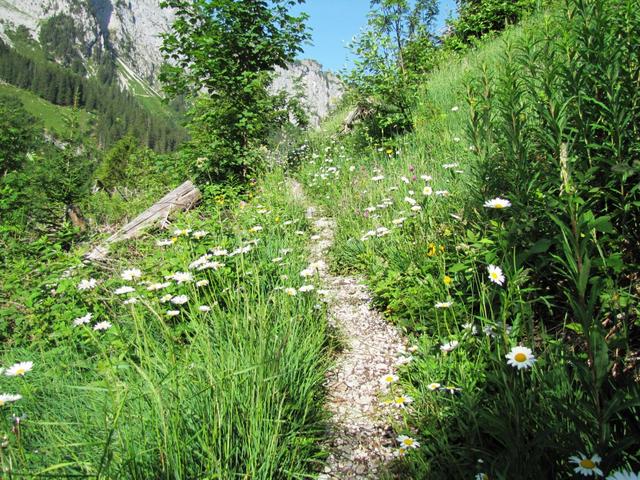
(477, 18)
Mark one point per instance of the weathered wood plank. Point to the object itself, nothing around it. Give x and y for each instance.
(181, 198)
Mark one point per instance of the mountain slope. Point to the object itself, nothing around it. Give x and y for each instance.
(131, 30)
(81, 34)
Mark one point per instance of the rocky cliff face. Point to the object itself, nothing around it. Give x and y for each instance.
(320, 90)
(132, 29)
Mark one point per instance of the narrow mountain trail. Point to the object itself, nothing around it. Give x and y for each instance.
(360, 438)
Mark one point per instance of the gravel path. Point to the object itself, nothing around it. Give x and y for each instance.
(360, 439)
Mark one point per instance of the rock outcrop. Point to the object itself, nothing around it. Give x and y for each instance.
(320, 90)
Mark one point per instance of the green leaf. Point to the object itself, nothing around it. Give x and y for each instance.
(576, 327)
(458, 267)
(600, 353)
(602, 224)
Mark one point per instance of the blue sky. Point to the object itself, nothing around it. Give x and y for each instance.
(334, 22)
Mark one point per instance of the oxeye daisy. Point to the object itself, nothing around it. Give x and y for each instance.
(173, 313)
(9, 397)
(166, 298)
(198, 234)
(495, 274)
(408, 442)
(179, 299)
(450, 346)
(202, 283)
(306, 288)
(166, 243)
(124, 290)
(87, 284)
(389, 379)
(307, 272)
(443, 304)
(210, 265)
(520, 357)
(402, 401)
(131, 273)
(403, 360)
(204, 308)
(182, 277)
(451, 389)
(433, 386)
(292, 292)
(104, 325)
(497, 203)
(82, 320)
(400, 452)
(586, 466)
(19, 369)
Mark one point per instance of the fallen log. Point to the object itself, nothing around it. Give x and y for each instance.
(182, 198)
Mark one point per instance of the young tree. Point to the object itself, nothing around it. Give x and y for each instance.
(224, 51)
(19, 133)
(114, 170)
(383, 76)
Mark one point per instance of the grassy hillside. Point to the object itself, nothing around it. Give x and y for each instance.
(485, 235)
(50, 114)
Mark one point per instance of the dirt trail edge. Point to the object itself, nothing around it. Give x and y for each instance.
(360, 439)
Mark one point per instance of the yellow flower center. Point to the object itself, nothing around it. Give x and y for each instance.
(1, 403)
(408, 442)
(20, 371)
(494, 275)
(520, 357)
(389, 379)
(587, 463)
(499, 205)
(399, 400)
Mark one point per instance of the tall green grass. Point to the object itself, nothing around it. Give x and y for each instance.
(235, 392)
